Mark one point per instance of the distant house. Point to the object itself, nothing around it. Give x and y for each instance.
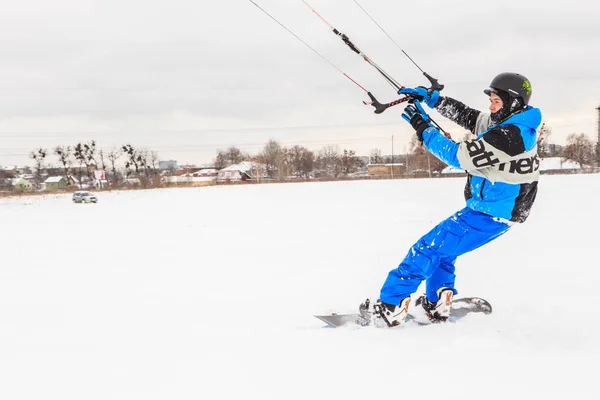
(386, 169)
(74, 181)
(237, 172)
(56, 183)
(205, 172)
(187, 171)
(192, 176)
(22, 184)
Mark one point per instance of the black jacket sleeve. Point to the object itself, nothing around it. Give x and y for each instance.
(458, 112)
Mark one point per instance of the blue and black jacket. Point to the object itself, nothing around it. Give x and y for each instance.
(501, 161)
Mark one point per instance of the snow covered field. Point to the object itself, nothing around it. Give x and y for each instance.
(209, 293)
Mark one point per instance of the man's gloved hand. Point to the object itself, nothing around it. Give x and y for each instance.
(418, 118)
(427, 96)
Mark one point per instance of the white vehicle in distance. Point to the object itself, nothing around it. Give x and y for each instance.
(84, 197)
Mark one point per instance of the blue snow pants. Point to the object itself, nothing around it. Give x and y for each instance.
(432, 257)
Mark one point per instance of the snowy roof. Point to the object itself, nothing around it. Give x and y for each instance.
(16, 181)
(243, 166)
(53, 179)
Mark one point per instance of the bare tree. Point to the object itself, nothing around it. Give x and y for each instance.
(152, 161)
(64, 154)
(375, 157)
(53, 171)
(349, 163)
(273, 156)
(542, 140)
(39, 156)
(301, 161)
(6, 178)
(142, 160)
(232, 155)
(102, 160)
(84, 154)
(421, 158)
(221, 160)
(139, 159)
(328, 161)
(113, 155)
(89, 152)
(132, 159)
(235, 155)
(580, 149)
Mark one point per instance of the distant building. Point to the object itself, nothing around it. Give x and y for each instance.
(170, 164)
(186, 171)
(195, 176)
(553, 148)
(56, 183)
(386, 169)
(239, 172)
(22, 184)
(205, 172)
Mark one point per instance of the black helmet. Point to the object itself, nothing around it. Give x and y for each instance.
(516, 85)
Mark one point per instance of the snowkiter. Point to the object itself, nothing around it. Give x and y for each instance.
(502, 168)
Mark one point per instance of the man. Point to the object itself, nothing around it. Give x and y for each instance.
(503, 169)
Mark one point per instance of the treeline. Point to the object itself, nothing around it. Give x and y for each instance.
(276, 161)
(579, 148)
(298, 161)
(280, 162)
(82, 159)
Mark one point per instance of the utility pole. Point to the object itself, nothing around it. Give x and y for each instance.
(428, 163)
(598, 123)
(598, 142)
(393, 156)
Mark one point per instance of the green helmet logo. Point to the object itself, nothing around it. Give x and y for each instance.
(527, 86)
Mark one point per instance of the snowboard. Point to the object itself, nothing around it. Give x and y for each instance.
(461, 307)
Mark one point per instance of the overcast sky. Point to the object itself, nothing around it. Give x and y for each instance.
(188, 77)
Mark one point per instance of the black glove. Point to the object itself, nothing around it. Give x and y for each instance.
(417, 118)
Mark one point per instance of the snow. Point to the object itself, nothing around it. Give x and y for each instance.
(208, 293)
(550, 163)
